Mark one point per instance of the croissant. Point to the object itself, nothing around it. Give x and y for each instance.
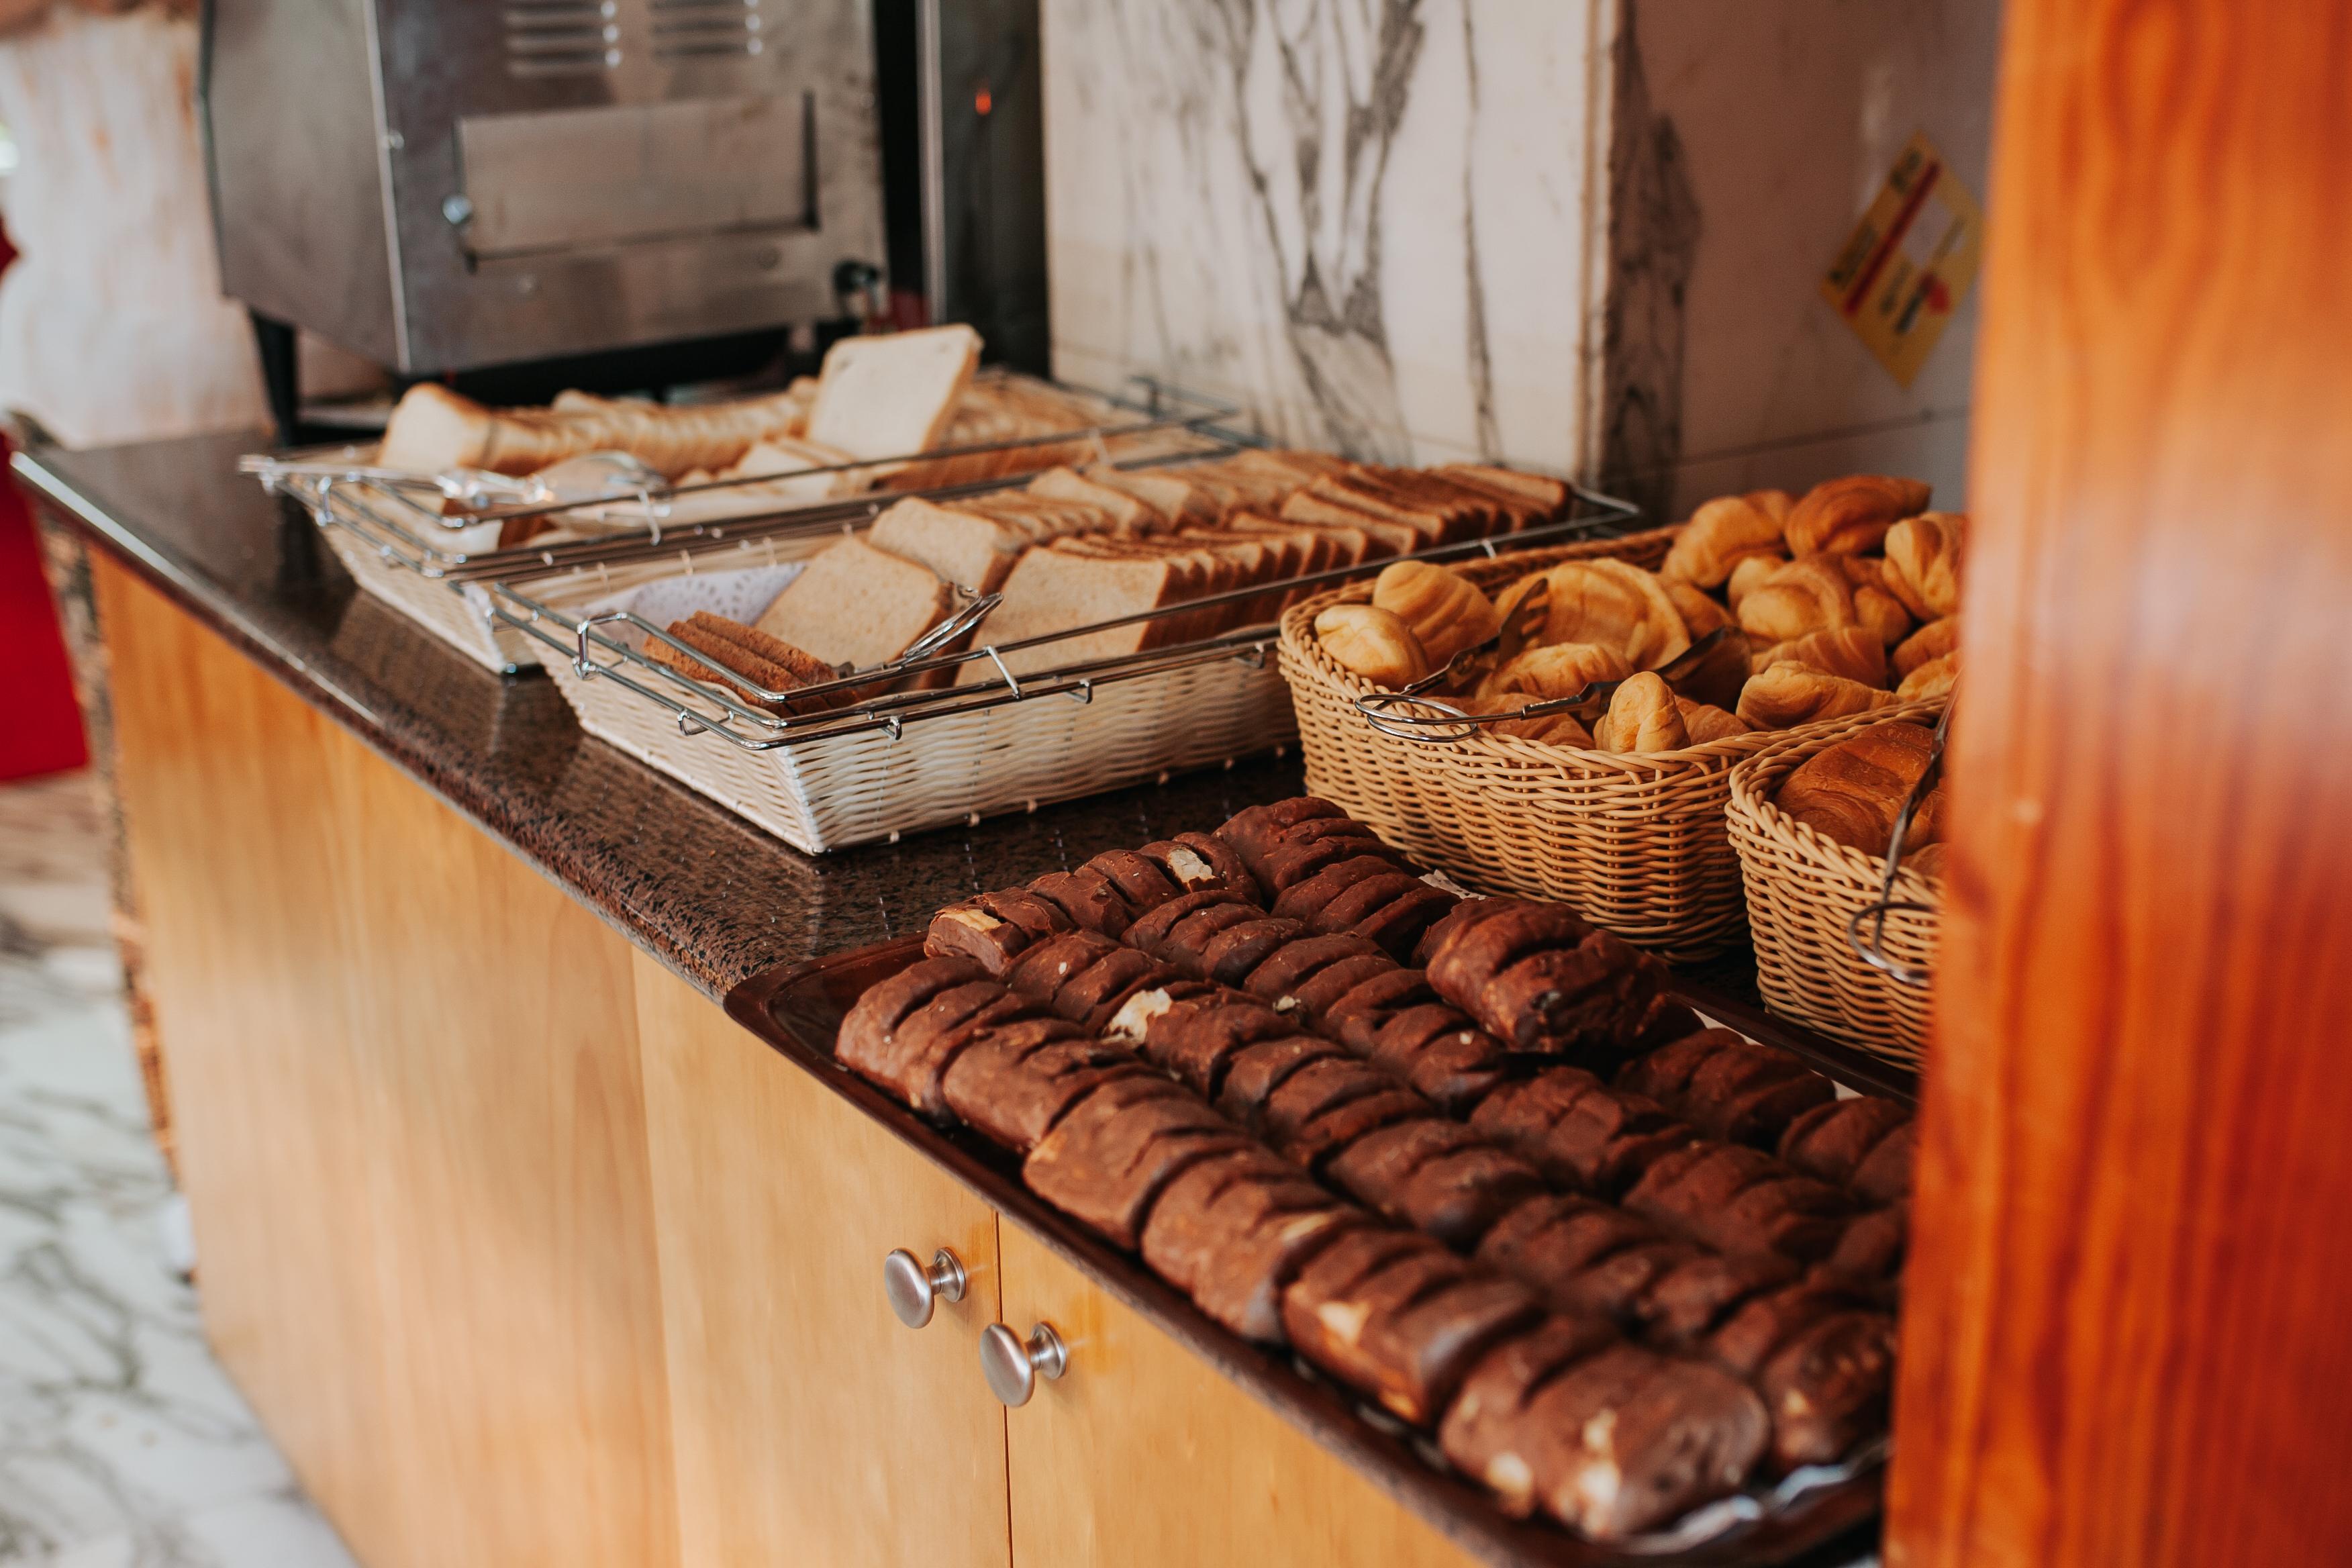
(1851, 792)
(1700, 614)
(1933, 640)
(1926, 822)
(1933, 679)
(1445, 610)
(1927, 860)
(1923, 562)
(1643, 717)
(1549, 729)
(1787, 695)
(1751, 573)
(1618, 605)
(1704, 722)
(1556, 669)
(1722, 533)
(1848, 516)
(1884, 613)
(1801, 597)
(1854, 652)
(1373, 642)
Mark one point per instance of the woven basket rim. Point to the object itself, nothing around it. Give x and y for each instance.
(1298, 641)
(1755, 780)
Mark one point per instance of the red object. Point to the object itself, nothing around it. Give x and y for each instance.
(40, 723)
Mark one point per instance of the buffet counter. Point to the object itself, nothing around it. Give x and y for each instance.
(523, 1249)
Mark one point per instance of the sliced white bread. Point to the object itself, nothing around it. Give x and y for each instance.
(1128, 513)
(1067, 586)
(892, 395)
(1165, 491)
(857, 604)
(958, 545)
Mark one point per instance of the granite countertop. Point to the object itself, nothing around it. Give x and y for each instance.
(711, 895)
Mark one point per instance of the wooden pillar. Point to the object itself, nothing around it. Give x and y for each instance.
(2125, 1341)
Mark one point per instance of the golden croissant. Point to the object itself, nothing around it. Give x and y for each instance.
(1854, 652)
(1801, 597)
(1704, 722)
(1557, 669)
(1618, 605)
(1787, 695)
(1373, 642)
(1933, 640)
(1445, 610)
(1642, 717)
(1721, 534)
(1851, 515)
(1923, 562)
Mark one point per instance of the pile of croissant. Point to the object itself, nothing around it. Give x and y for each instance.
(1840, 602)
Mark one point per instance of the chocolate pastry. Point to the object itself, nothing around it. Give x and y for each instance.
(1152, 930)
(1732, 1198)
(1194, 861)
(1088, 898)
(1728, 1087)
(1885, 1174)
(1563, 1246)
(1257, 829)
(1399, 1318)
(1282, 972)
(1315, 1088)
(967, 931)
(1829, 1387)
(1094, 995)
(1015, 1081)
(1486, 1433)
(1339, 1127)
(1629, 1440)
(1110, 1158)
(1435, 1175)
(1432, 1047)
(1256, 1071)
(1141, 883)
(1233, 1231)
(1313, 997)
(1308, 901)
(1452, 923)
(1539, 976)
(1234, 952)
(1042, 972)
(1831, 1139)
(1397, 925)
(1130, 1024)
(1187, 944)
(1197, 1042)
(1579, 1133)
(1304, 851)
(1686, 1305)
(1870, 1254)
(885, 1003)
(1824, 1362)
(1668, 1021)
(911, 1058)
(1379, 996)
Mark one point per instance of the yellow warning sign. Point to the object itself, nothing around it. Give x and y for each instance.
(1910, 261)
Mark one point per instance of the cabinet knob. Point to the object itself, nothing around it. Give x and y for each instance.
(1013, 1365)
(914, 1290)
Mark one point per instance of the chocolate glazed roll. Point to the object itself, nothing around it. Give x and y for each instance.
(1542, 978)
(1728, 1086)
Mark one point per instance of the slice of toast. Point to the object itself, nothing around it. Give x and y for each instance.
(1552, 495)
(892, 395)
(958, 544)
(858, 605)
(1128, 513)
(1063, 587)
(1167, 492)
(1387, 536)
(744, 653)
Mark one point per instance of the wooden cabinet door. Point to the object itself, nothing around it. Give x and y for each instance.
(1142, 1454)
(809, 1426)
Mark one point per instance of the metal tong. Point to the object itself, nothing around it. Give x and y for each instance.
(1871, 949)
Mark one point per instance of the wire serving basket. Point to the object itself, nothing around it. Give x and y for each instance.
(424, 544)
(924, 755)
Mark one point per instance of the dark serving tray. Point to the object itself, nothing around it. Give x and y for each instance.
(798, 1009)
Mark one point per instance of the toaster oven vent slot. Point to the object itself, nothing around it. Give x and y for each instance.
(703, 29)
(562, 38)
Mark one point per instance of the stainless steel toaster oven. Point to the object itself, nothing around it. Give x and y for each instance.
(445, 184)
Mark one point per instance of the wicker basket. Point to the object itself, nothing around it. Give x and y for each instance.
(1803, 888)
(439, 605)
(1634, 843)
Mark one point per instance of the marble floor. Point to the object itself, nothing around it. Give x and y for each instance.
(122, 1443)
